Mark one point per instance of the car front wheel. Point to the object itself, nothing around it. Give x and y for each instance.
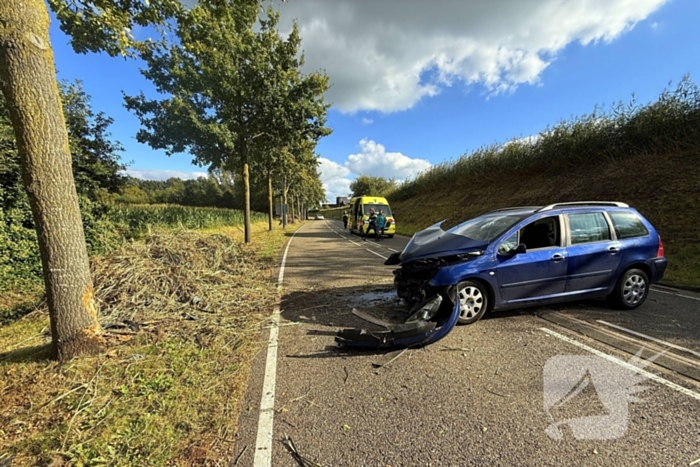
(631, 290)
(473, 302)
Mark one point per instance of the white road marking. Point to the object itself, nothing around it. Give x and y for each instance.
(395, 251)
(639, 334)
(375, 253)
(676, 294)
(364, 245)
(624, 364)
(263, 443)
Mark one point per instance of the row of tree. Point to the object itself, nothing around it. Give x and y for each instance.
(203, 191)
(235, 99)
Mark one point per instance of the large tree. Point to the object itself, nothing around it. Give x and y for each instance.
(28, 83)
(235, 94)
(369, 185)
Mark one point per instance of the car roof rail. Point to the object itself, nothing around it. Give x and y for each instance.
(515, 208)
(549, 207)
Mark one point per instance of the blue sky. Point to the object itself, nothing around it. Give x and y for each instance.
(416, 83)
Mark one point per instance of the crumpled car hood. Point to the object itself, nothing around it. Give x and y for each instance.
(434, 242)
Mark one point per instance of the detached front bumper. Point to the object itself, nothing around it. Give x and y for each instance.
(431, 321)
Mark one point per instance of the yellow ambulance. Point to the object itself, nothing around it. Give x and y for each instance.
(358, 215)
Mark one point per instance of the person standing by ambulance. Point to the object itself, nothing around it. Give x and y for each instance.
(371, 225)
(380, 224)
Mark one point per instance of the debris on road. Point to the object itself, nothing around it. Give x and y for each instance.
(300, 460)
(431, 320)
(389, 358)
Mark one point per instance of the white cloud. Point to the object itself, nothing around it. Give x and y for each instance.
(367, 121)
(387, 55)
(373, 159)
(158, 174)
(334, 178)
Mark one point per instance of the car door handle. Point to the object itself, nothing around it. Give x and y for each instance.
(614, 249)
(557, 257)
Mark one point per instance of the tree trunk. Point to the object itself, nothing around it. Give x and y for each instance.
(246, 208)
(28, 80)
(284, 202)
(293, 209)
(269, 202)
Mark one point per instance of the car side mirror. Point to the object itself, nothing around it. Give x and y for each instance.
(521, 248)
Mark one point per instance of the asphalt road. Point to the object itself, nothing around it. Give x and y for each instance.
(487, 394)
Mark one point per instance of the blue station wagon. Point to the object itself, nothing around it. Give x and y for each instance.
(523, 256)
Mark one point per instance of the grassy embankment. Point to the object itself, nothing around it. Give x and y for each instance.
(181, 310)
(647, 156)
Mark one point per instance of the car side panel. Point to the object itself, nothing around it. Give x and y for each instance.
(593, 266)
(532, 275)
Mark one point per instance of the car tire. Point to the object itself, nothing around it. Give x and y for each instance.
(631, 289)
(390, 236)
(474, 301)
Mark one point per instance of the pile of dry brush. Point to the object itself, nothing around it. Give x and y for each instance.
(181, 280)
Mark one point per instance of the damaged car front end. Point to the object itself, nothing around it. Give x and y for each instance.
(436, 309)
(428, 322)
(427, 254)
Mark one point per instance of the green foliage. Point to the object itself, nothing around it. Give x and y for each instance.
(202, 192)
(96, 169)
(372, 186)
(235, 96)
(671, 124)
(98, 25)
(96, 161)
(136, 220)
(133, 194)
(19, 252)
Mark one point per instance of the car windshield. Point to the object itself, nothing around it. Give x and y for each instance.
(384, 207)
(487, 228)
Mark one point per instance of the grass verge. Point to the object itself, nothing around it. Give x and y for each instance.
(181, 311)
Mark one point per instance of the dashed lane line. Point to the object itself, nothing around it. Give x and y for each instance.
(358, 244)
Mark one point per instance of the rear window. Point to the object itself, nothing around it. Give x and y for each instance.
(588, 227)
(628, 225)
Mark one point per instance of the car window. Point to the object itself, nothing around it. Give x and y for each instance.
(486, 228)
(628, 225)
(543, 233)
(588, 227)
(508, 244)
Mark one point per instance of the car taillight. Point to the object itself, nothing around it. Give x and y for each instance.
(660, 252)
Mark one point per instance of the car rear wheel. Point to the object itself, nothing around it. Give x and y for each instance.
(473, 302)
(631, 290)
(390, 236)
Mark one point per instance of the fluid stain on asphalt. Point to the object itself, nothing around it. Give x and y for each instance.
(375, 298)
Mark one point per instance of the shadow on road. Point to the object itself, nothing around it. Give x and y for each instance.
(332, 307)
